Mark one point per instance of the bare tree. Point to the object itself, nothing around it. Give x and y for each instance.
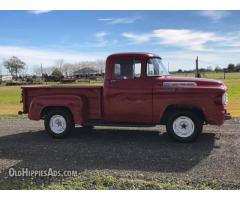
(14, 65)
(97, 65)
(24, 71)
(100, 64)
(37, 70)
(59, 64)
(0, 68)
(67, 69)
(48, 70)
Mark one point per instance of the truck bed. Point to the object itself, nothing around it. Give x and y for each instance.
(93, 94)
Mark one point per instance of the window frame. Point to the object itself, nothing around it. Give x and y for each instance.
(146, 71)
(134, 62)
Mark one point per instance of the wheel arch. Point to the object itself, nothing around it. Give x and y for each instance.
(181, 107)
(47, 109)
(75, 105)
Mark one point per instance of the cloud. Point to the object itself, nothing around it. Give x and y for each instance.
(215, 16)
(38, 12)
(124, 20)
(101, 38)
(103, 41)
(138, 38)
(183, 38)
(189, 39)
(100, 34)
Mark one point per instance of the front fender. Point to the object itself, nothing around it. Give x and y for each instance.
(77, 105)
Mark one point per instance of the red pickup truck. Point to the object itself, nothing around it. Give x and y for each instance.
(138, 90)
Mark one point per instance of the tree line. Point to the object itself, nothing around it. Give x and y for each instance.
(15, 66)
(229, 68)
(60, 68)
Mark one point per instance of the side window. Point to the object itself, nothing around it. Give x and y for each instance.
(127, 69)
(137, 68)
(150, 68)
(117, 71)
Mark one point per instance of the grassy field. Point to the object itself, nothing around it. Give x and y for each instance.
(212, 75)
(10, 100)
(10, 95)
(97, 181)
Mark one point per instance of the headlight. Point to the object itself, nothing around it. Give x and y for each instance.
(224, 99)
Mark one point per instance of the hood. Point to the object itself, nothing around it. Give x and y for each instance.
(198, 81)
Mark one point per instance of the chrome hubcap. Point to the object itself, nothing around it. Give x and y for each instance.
(58, 124)
(183, 126)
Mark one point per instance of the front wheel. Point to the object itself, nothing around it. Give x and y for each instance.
(184, 126)
(58, 123)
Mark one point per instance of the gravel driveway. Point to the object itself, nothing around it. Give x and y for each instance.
(124, 152)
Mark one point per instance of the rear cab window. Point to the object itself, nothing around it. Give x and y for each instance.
(127, 69)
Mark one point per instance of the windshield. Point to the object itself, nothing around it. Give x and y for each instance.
(155, 67)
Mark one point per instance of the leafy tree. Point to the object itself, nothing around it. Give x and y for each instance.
(217, 69)
(231, 67)
(237, 67)
(45, 77)
(202, 70)
(209, 68)
(180, 71)
(14, 65)
(57, 74)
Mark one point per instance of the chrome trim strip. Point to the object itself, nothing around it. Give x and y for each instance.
(179, 84)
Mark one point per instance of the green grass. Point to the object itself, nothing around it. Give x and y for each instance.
(212, 75)
(234, 96)
(95, 180)
(10, 95)
(10, 100)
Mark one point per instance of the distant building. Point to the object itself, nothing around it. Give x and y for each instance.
(6, 78)
(86, 71)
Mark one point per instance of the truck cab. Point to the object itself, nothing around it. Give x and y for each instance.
(128, 86)
(137, 90)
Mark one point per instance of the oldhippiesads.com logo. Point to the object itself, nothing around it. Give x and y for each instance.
(49, 172)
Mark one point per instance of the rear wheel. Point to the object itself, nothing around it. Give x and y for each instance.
(58, 123)
(184, 126)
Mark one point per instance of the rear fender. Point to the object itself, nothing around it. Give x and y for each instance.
(77, 105)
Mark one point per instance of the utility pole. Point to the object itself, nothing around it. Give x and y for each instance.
(197, 72)
(42, 71)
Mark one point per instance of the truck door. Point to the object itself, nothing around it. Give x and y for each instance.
(129, 95)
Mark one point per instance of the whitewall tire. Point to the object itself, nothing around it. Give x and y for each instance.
(58, 123)
(184, 126)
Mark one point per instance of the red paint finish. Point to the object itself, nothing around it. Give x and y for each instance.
(74, 103)
(127, 100)
(137, 100)
(84, 102)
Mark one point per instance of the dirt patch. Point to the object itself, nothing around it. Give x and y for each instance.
(126, 153)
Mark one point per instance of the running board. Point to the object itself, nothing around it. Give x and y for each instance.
(119, 124)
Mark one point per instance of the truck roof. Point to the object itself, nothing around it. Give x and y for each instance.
(130, 54)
